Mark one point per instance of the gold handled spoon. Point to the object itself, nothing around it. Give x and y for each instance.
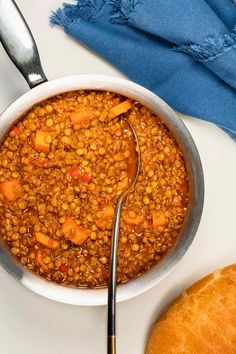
(111, 326)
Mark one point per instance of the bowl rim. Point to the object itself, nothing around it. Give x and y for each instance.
(95, 297)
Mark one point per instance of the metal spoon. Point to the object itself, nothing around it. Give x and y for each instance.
(111, 327)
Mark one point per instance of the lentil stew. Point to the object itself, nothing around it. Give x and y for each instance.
(62, 167)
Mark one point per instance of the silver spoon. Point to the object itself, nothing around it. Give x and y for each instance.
(111, 324)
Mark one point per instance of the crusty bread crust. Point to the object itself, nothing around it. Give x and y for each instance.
(201, 321)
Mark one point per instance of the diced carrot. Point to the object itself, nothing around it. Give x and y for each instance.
(159, 218)
(123, 184)
(103, 115)
(82, 117)
(74, 172)
(133, 221)
(39, 260)
(40, 143)
(74, 232)
(46, 241)
(86, 178)
(108, 210)
(42, 162)
(121, 108)
(105, 217)
(10, 189)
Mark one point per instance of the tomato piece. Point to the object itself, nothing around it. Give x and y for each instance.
(86, 178)
(15, 129)
(150, 221)
(74, 172)
(103, 200)
(63, 268)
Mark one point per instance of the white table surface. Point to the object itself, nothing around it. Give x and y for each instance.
(30, 324)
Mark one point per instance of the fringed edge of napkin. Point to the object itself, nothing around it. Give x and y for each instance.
(89, 10)
(64, 16)
(85, 9)
(211, 49)
(122, 10)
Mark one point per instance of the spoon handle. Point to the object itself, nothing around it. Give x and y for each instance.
(111, 328)
(111, 345)
(19, 43)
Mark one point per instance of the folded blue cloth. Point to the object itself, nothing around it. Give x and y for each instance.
(184, 51)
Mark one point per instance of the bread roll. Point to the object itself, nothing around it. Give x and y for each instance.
(201, 321)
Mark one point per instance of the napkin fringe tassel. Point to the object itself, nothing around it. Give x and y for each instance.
(89, 10)
(86, 9)
(64, 16)
(122, 10)
(211, 49)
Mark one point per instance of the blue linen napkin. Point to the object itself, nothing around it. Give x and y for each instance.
(185, 50)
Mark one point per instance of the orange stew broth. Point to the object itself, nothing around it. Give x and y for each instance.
(62, 167)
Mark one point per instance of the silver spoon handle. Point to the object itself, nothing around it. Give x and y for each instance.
(111, 329)
(19, 44)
